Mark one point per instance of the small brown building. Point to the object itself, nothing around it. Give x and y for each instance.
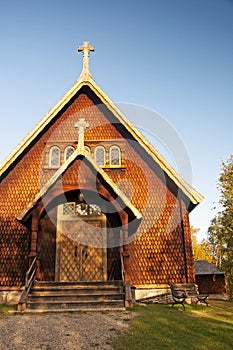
(209, 279)
(85, 192)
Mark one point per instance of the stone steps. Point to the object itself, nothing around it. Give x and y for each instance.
(76, 305)
(75, 295)
(37, 297)
(82, 288)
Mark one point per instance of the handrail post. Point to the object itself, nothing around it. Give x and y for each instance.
(125, 257)
(122, 268)
(33, 263)
(29, 279)
(34, 235)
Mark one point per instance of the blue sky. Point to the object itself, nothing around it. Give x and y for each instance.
(171, 56)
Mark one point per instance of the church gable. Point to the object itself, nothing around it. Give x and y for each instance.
(113, 154)
(114, 116)
(34, 168)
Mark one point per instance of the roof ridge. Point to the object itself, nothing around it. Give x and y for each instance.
(87, 80)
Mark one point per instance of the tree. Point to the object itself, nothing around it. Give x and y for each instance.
(202, 250)
(220, 231)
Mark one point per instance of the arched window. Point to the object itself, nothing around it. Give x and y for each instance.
(68, 151)
(115, 156)
(100, 155)
(87, 149)
(54, 156)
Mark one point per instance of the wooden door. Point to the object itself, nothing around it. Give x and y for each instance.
(81, 253)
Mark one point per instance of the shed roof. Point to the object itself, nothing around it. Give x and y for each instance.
(203, 267)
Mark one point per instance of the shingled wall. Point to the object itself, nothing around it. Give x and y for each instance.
(157, 250)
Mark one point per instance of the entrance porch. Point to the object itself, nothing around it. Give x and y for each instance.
(79, 224)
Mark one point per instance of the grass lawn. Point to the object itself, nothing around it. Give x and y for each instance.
(159, 327)
(4, 308)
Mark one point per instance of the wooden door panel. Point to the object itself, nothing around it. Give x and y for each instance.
(82, 251)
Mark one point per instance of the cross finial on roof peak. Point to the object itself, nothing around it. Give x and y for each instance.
(86, 48)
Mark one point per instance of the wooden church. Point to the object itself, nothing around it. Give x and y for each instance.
(89, 206)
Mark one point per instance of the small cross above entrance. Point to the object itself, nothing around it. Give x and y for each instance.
(86, 48)
(81, 125)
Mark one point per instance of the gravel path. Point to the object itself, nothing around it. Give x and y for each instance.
(62, 331)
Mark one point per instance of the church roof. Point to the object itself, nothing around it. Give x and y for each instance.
(86, 79)
(80, 154)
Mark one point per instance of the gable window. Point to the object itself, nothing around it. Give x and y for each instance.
(100, 155)
(54, 156)
(68, 152)
(115, 156)
(87, 149)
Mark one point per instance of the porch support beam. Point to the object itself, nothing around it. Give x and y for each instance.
(34, 234)
(34, 237)
(126, 258)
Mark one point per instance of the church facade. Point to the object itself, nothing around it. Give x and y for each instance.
(87, 198)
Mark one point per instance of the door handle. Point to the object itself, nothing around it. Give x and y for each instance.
(75, 251)
(85, 252)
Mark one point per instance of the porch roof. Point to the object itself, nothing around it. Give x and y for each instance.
(119, 196)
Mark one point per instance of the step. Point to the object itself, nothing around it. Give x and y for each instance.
(78, 284)
(76, 295)
(76, 290)
(41, 297)
(73, 305)
(67, 310)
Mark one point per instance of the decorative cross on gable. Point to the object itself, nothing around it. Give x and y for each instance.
(81, 125)
(86, 48)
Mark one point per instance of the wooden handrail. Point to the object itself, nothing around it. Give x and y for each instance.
(29, 279)
(122, 268)
(30, 274)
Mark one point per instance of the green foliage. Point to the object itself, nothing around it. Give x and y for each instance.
(221, 229)
(161, 327)
(201, 250)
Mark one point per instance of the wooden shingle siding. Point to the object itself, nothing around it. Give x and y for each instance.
(158, 253)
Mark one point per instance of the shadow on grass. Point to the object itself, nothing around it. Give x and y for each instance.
(163, 327)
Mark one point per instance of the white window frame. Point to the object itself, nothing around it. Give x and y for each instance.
(66, 151)
(87, 148)
(104, 154)
(110, 156)
(53, 148)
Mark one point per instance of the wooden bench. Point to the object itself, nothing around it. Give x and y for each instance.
(182, 291)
